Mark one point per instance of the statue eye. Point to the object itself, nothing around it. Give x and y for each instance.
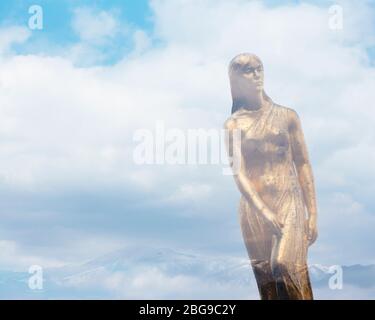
(248, 69)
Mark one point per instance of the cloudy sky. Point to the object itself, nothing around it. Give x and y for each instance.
(73, 94)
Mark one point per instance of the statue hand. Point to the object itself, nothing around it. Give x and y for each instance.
(312, 230)
(274, 221)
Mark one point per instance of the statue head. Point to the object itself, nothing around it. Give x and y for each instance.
(246, 78)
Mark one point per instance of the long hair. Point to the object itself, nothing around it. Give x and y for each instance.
(234, 67)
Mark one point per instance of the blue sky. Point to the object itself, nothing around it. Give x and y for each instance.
(73, 94)
(58, 13)
(58, 31)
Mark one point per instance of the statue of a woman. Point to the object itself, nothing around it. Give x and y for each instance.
(277, 209)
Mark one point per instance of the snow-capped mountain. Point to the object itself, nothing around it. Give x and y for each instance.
(163, 273)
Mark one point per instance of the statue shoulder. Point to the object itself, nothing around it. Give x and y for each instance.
(293, 119)
(290, 113)
(237, 120)
(230, 123)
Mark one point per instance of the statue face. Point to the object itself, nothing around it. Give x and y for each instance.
(252, 74)
(247, 75)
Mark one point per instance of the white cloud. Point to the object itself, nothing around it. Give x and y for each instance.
(190, 193)
(160, 274)
(101, 33)
(350, 292)
(142, 42)
(12, 35)
(345, 235)
(94, 26)
(13, 257)
(70, 247)
(65, 127)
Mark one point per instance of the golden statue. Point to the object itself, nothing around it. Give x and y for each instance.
(276, 183)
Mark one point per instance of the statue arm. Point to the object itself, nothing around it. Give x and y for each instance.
(304, 170)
